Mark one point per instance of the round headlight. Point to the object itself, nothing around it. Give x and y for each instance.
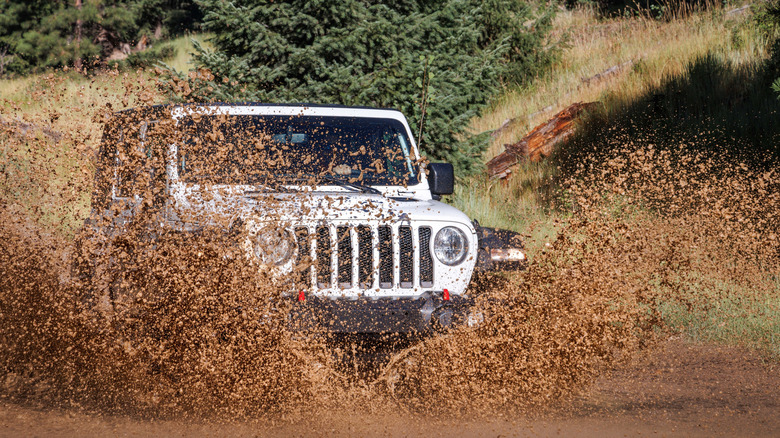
(450, 246)
(273, 247)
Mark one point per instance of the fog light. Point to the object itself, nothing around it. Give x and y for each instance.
(507, 255)
(475, 319)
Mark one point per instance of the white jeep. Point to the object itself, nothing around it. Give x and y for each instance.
(336, 198)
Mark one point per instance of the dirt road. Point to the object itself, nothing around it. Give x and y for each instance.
(678, 389)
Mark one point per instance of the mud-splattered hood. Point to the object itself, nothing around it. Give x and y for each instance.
(223, 206)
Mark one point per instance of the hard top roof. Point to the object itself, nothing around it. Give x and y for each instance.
(155, 109)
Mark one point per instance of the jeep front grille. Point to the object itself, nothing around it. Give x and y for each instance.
(344, 245)
(364, 257)
(385, 257)
(302, 275)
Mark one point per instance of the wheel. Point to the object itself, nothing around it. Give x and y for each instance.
(90, 281)
(105, 288)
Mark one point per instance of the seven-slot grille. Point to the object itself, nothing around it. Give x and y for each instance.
(364, 257)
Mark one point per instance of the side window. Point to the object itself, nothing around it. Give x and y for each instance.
(126, 162)
(136, 161)
(105, 170)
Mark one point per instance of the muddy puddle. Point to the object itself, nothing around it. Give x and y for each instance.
(196, 334)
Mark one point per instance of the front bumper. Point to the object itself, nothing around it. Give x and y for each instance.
(499, 250)
(426, 314)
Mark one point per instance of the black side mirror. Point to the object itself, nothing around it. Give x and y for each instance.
(441, 178)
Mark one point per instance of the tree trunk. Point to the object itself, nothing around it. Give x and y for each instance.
(5, 59)
(540, 142)
(77, 61)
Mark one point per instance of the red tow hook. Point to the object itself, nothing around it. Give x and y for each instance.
(302, 296)
(446, 295)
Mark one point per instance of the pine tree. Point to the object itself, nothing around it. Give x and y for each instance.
(65, 32)
(41, 34)
(437, 61)
(16, 19)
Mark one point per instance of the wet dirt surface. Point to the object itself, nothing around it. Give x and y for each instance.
(679, 388)
(686, 389)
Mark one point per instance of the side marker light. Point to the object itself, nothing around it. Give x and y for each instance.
(446, 295)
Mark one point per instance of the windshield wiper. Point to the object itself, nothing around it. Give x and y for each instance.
(345, 183)
(269, 187)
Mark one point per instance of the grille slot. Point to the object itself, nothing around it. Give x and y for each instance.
(344, 248)
(385, 257)
(365, 257)
(405, 257)
(426, 261)
(303, 259)
(324, 253)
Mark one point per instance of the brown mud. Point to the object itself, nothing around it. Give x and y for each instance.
(679, 388)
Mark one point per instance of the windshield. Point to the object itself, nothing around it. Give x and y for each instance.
(247, 149)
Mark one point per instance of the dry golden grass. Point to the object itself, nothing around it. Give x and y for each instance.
(658, 50)
(67, 101)
(654, 50)
(50, 129)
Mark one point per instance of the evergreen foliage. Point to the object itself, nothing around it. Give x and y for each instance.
(171, 17)
(438, 61)
(40, 34)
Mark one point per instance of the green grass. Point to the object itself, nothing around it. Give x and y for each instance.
(182, 61)
(500, 204)
(724, 312)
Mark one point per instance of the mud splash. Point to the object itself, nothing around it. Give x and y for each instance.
(645, 231)
(658, 240)
(210, 348)
(219, 346)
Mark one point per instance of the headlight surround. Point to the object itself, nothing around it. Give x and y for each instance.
(450, 246)
(273, 246)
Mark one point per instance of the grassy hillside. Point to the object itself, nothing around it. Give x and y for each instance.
(651, 52)
(676, 174)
